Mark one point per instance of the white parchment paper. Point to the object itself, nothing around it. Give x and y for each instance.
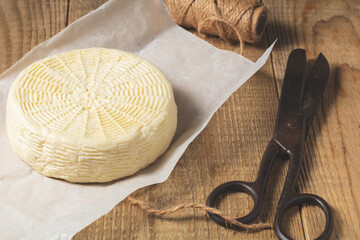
(203, 77)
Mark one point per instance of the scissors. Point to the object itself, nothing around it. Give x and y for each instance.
(299, 100)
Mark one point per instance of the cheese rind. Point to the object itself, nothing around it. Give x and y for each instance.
(90, 115)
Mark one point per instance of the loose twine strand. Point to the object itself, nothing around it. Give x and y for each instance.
(228, 219)
(240, 20)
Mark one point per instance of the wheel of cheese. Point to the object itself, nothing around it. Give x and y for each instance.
(90, 115)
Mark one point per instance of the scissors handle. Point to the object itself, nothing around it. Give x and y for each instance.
(294, 199)
(255, 189)
(289, 197)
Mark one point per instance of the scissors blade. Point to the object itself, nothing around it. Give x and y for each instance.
(289, 123)
(290, 99)
(314, 88)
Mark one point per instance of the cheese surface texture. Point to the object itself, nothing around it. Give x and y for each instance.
(90, 115)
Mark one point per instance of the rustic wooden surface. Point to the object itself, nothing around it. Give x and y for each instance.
(232, 144)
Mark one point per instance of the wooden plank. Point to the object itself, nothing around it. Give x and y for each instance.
(331, 167)
(78, 8)
(25, 23)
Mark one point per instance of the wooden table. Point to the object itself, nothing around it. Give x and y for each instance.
(232, 144)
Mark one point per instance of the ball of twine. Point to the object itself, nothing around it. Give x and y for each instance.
(241, 20)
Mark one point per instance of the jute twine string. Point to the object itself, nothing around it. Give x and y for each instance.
(241, 20)
(248, 227)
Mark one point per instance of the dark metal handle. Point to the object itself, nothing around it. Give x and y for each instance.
(235, 186)
(296, 198)
(255, 189)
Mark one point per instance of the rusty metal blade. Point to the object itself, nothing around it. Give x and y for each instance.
(290, 99)
(314, 88)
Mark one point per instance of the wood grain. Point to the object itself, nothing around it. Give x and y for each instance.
(78, 8)
(231, 146)
(26, 23)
